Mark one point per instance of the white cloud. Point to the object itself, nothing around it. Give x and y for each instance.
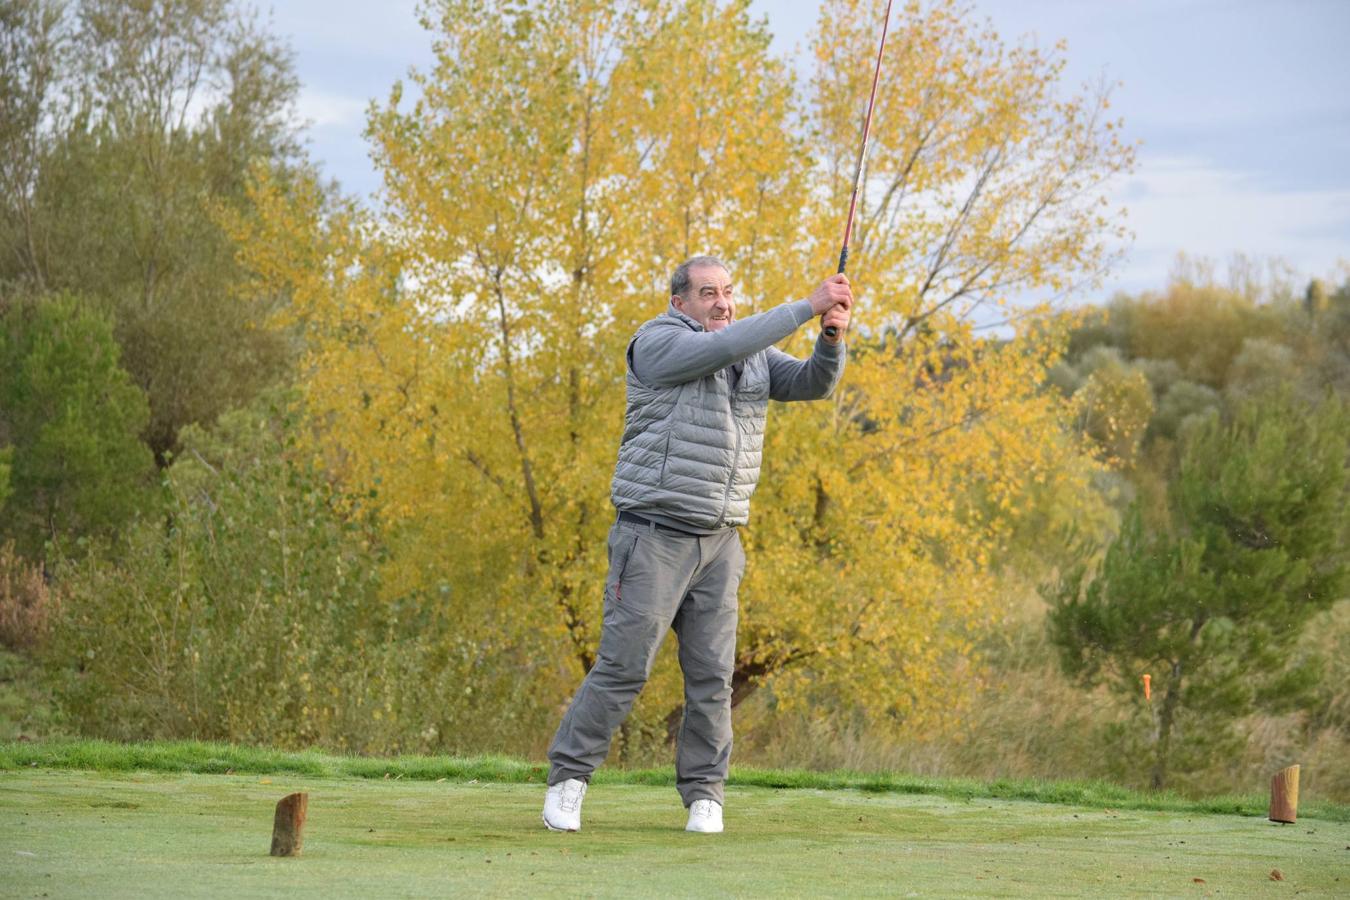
(322, 108)
(355, 29)
(1191, 205)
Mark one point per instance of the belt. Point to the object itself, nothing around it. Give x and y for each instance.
(635, 519)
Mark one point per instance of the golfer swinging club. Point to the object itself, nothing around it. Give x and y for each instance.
(699, 384)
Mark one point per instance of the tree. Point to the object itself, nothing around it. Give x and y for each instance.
(71, 417)
(1326, 332)
(1210, 602)
(34, 59)
(1198, 322)
(132, 121)
(1115, 405)
(464, 352)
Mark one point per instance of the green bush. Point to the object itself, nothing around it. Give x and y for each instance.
(6, 468)
(256, 613)
(75, 465)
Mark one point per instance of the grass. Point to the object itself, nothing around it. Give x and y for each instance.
(26, 707)
(212, 758)
(67, 832)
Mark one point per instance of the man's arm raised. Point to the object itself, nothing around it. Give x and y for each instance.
(816, 378)
(813, 378)
(664, 357)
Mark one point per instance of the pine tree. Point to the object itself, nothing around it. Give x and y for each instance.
(72, 417)
(1209, 602)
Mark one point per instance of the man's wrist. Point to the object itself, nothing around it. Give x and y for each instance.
(802, 311)
(831, 347)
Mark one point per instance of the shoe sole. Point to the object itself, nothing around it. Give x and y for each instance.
(550, 826)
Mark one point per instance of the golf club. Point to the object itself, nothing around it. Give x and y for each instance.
(831, 331)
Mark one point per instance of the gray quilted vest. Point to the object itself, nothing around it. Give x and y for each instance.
(691, 452)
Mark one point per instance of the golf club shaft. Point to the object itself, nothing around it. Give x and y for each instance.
(831, 331)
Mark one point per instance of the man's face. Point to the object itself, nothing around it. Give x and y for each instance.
(709, 301)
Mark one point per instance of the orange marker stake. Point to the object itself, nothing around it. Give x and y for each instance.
(1148, 688)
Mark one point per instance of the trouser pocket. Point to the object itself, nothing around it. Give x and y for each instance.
(619, 549)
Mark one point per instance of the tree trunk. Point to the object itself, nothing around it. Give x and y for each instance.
(674, 719)
(1168, 715)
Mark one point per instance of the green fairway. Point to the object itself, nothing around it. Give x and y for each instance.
(78, 833)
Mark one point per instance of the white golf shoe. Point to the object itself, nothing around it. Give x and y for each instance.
(705, 816)
(562, 805)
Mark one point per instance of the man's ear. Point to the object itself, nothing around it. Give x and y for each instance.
(678, 301)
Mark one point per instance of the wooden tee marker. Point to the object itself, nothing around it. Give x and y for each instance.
(289, 825)
(1284, 796)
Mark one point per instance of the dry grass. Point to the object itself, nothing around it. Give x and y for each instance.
(1026, 720)
(27, 604)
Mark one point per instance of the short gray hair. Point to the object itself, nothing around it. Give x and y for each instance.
(679, 282)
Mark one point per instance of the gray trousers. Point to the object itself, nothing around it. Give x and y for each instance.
(659, 579)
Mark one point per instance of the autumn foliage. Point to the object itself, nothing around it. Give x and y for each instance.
(339, 473)
(464, 342)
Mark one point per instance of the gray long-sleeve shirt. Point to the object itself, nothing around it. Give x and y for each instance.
(664, 357)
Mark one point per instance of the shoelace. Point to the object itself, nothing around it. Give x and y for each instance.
(571, 798)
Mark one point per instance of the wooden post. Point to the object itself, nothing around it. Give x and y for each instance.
(1284, 795)
(289, 825)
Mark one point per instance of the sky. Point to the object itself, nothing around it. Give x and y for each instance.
(1242, 107)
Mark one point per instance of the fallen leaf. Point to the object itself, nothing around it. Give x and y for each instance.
(264, 781)
(1198, 880)
(1276, 875)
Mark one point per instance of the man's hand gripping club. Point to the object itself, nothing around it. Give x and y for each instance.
(832, 301)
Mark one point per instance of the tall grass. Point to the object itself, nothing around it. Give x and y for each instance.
(1025, 720)
(27, 604)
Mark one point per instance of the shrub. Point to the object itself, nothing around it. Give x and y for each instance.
(75, 466)
(27, 604)
(261, 614)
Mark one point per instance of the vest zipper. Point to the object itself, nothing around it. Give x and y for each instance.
(726, 494)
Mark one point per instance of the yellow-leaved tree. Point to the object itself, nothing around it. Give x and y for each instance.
(464, 364)
(983, 185)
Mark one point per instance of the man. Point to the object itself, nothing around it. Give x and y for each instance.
(699, 385)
